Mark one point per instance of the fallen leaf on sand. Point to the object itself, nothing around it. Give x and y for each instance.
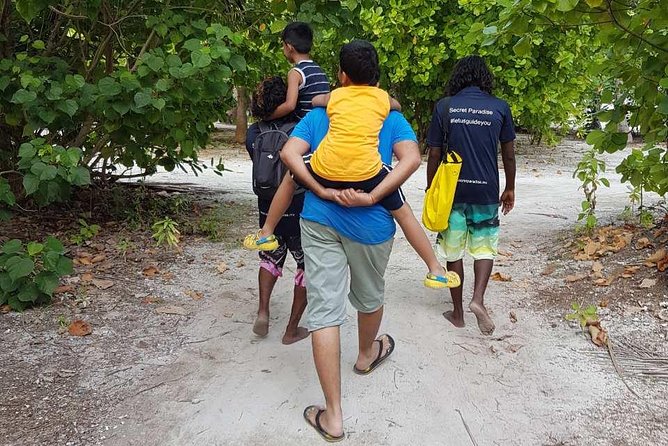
(197, 295)
(150, 271)
(657, 256)
(513, 317)
(4, 309)
(604, 303)
(549, 269)
(98, 258)
(63, 289)
(647, 283)
(79, 328)
(591, 248)
(222, 267)
(599, 335)
(501, 277)
(662, 264)
(151, 300)
(172, 309)
(516, 244)
(168, 275)
(602, 282)
(643, 243)
(596, 269)
(86, 277)
(574, 277)
(240, 263)
(103, 284)
(83, 261)
(513, 348)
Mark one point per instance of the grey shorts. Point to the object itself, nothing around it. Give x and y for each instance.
(330, 259)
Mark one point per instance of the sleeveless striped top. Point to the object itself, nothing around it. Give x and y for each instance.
(314, 82)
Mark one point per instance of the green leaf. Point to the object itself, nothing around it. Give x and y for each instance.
(594, 3)
(48, 173)
(162, 85)
(158, 103)
(12, 246)
(64, 266)
(80, 176)
(155, 63)
(523, 46)
(566, 5)
(199, 59)
(28, 293)
(121, 107)
(54, 245)
(663, 106)
(68, 106)
(238, 63)
(27, 150)
(277, 26)
(595, 137)
(30, 183)
(192, 44)
(54, 93)
(142, 99)
(38, 45)
(489, 30)
(75, 81)
(109, 87)
(4, 81)
(23, 96)
(7, 284)
(72, 156)
(605, 182)
(173, 60)
(19, 266)
(34, 248)
(46, 282)
(5, 215)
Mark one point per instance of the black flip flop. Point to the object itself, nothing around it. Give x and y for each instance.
(318, 427)
(381, 357)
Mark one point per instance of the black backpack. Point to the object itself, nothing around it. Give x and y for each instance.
(268, 170)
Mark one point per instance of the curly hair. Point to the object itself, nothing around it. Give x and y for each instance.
(268, 95)
(471, 71)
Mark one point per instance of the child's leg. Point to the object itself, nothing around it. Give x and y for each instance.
(418, 239)
(279, 204)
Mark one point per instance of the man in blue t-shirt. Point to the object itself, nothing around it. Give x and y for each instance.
(339, 241)
(475, 122)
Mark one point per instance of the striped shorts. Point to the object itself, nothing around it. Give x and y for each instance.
(473, 228)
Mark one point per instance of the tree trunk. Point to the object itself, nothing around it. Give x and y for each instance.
(242, 116)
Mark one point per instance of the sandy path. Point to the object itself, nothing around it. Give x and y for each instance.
(532, 383)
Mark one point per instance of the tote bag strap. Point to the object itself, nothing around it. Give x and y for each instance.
(445, 127)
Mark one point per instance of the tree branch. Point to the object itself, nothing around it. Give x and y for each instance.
(627, 30)
(65, 14)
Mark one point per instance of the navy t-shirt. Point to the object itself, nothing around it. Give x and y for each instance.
(478, 122)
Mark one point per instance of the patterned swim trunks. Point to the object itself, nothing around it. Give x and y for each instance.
(473, 228)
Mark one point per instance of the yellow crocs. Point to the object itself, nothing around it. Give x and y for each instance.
(450, 280)
(254, 241)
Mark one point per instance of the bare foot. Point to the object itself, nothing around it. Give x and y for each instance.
(295, 336)
(456, 321)
(485, 323)
(261, 326)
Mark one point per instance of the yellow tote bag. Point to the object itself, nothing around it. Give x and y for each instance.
(441, 194)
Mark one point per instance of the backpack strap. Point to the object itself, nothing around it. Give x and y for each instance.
(263, 126)
(445, 127)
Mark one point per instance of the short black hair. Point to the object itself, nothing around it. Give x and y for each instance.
(268, 95)
(359, 60)
(299, 35)
(471, 71)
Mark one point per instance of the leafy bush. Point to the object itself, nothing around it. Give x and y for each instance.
(30, 273)
(86, 232)
(166, 231)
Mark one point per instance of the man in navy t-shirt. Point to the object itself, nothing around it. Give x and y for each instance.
(476, 121)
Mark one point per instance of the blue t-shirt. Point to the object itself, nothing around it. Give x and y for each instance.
(368, 225)
(478, 121)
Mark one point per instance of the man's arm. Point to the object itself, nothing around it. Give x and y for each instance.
(433, 160)
(292, 156)
(287, 107)
(408, 156)
(508, 195)
(321, 100)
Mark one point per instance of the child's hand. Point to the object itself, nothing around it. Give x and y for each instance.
(354, 198)
(329, 194)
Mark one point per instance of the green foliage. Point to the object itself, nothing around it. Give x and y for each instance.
(87, 88)
(86, 232)
(166, 231)
(29, 273)
(589, 171)
(583, 315)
